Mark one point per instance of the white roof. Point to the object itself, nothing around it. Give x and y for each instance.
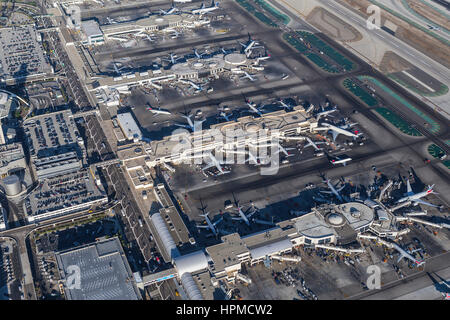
(129, 126)
(91, 28)
(270, 249)
(191, 262)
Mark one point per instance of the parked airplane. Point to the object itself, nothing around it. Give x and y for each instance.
(253, 107)
(172, 10)
(248, 46)
(172, 58)
(117, 69)
(244, 216)
(204, 10)
(227, 51)
(312, 144)
(248, 76)
(110, 21)
(407, 255)
(335, 131)
(157, 110)
(225, 116)
(284, 105)
(415, 198)
(182, 1)
(332, 188)
(192, 84)
(324, 113)
(190, 125)
(214, 162)
(262, 58)
(209, 225)
(198, 55)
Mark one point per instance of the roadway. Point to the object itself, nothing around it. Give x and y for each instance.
(399, 7)
(416, 57)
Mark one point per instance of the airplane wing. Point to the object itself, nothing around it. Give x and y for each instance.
(402, 255)
(425, 203)
(208, 166)
(217, 222)
(408, 188)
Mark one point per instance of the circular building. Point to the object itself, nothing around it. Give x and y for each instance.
(12, 185)
(235, 59)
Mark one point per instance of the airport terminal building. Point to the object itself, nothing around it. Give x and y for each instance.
(243, 133)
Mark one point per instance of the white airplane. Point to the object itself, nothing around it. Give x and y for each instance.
(209, 225)
(248, 76)
(225, 116)
(198, 55)
(182, 1)
(280, 148)
(251, 157)
(144, 35)
(324, 113)
(204, 10)
(225, 51)
(312, 144)
(253, 107)
(172, 10)
(192, 84)
(213, 162)
(433, 27)
(339, 160)
(110, 21)
(333, 188)
(117, 69)
(157, 110)
(284, 105)
(262, 58)
(415, 198)
(190, 125)
(172, 58)
(247, 47)
(407, 255)
(335, 131)
(244, 216)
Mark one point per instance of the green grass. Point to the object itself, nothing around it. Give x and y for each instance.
(274, 12)
(436, 151)
(442, 90)
(360, 92)
(328, 50)
(261, 16)
(398, 122)
(314, 57)
(434, 126)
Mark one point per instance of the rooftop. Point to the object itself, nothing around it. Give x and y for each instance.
(21, 54)
(104, 270)
(129, 126)
(64, 192)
